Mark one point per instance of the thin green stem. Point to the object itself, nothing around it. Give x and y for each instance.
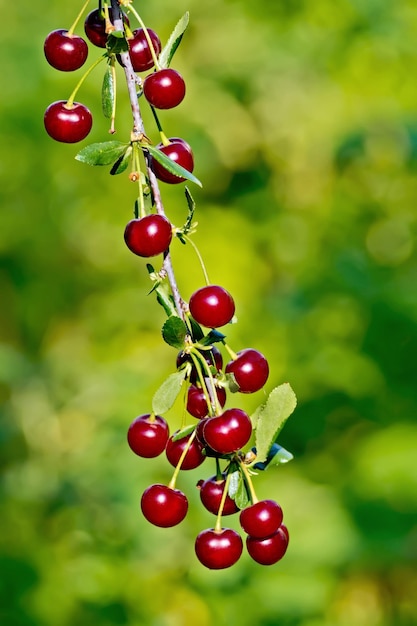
(136, 170)
(71, 99)
(232, 354)
(77, 19)
(164, 138)
(211, 395)
(249, 482)
(173, 480)
(148, 39)
(200, 258)
(218, 525)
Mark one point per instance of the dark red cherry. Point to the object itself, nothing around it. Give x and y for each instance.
(149, 235)
(228, 432)
(95, 28)
(218, 549)
(164, 89)
(178, 151)
(163, 506)
(212, 306)
(211, 492)
(270, 550)
(65, 52)
(68, 124)
(194, 456)
(196, 401)
(262, 519)
(139, 50)
(250, 370)
(148, 435)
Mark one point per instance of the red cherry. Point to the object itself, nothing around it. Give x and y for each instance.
(193, 458)
(148, 435)
(178, 151)
(218, 549)
(164, 89)
(149, 235)
(268, 551)
(262, 519)
(212, 306)
(95, 28)
(163, 506)
(285, 531)
(228, 432)
(67, 124)
(211, 492)
(250, 370)
(196, 401)
(65, 52)
(139, 50)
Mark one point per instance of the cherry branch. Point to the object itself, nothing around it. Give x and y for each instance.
(137, 133)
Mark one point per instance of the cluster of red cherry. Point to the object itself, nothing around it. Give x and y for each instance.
(218, 433)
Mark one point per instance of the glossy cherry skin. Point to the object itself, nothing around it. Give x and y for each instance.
(149, 235)
(178, 151)
(213, 358)
(228, 432)
(196, 401)
(163, 506)
(262, 519)
(211, 492)
(212, 306)
(270, 550)
(218, 549)
(95, 28)
(65, 52)
(139, 50)
(250, 369)
(148, 435)
(193, 458)
(164, 89)
(68, 125)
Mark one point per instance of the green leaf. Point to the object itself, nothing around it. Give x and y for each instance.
(108, 93)
(167, 393)
(214, 336)
(174, 332)
(241, 497)
(270, 418)
(168, 51)
(105, 153)
(184, 432)
(122, 163)
(234, 484)
(277, 455)
(170, 165)
(116, 42)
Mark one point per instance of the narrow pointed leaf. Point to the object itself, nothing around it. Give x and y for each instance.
(270, 418)
(105, 153)
(108, 93)
(174, 332)
(241, 496)
(277, 455)
(171, 166)
(234, 484)
(167, 393)
(173, 42)
(122, 162)
(184, 432)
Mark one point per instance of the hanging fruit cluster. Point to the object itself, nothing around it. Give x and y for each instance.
(239, 445)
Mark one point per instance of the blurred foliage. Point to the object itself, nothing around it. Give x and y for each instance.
(303, 120)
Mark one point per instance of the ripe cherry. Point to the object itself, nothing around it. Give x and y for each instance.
(250, 370)
(65, 52)
(148, 435)
(68, 124)
(212, 306)
(163, 506)
(213, 358)
(218, 549)
(178, 151)
(196, 401)
(228, 432)
(95, 28)
(211, 492)
(270, 550)
(149, 235)
(164, 89)
(262, 519)
(194, 456)
(139, 50)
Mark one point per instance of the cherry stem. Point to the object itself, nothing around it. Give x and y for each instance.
(164, 138)
(71, 99)
(136, 169)
(173, 480)
(77, 19)
(148, 39)
(232, 354)
(207, 382)
(200, 258)
(218, 525)
(139, 131)
(248, 480)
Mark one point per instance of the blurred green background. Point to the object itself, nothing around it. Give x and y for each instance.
(303, 121)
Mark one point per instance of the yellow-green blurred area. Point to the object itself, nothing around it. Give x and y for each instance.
(303, 121)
